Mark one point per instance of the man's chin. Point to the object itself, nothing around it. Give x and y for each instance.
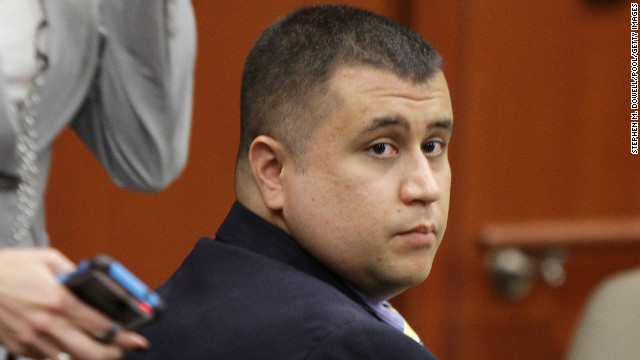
(398, 285)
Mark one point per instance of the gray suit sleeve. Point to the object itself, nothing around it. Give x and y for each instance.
(137, 117)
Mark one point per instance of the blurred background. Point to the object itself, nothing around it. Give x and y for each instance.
(545, 194)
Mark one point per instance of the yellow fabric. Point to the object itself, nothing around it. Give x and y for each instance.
(410, 332)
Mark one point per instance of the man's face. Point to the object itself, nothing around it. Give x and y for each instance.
(372, 199)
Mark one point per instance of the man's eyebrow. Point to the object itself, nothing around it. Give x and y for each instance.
(375, 124)
(446, 124)
(383, 122)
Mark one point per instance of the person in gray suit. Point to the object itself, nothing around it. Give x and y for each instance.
(120, 73)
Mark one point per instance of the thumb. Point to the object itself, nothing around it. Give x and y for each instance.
(57, 262)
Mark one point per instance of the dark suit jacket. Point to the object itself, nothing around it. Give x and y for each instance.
(253, 293)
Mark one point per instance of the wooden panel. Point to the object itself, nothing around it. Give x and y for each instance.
(540, 95)
(567, 234)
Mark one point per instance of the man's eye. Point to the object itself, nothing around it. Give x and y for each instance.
(433, 148)
(383, 149)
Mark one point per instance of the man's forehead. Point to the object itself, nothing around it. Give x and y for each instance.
(353, 82)
(361, 83)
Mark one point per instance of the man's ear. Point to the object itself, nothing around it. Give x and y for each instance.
(266, 159)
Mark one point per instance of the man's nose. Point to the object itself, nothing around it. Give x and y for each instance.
(419, 184)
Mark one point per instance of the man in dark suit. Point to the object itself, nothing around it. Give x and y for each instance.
(342, 185)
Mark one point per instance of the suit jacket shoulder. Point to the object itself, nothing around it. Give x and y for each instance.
(226, 302)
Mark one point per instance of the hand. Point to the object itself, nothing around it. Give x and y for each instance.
(40, 318)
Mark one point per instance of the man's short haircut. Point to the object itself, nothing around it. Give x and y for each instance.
(287, 70)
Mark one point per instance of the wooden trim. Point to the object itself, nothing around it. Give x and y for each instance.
(565, 234)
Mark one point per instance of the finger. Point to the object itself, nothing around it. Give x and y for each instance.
(79, 344)
(45, 348)
(57, 262)
(109, 337)
(130, 340)
(123, 338)
(37, 342)
(83, 315)
(59, 334)
(99, 325)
